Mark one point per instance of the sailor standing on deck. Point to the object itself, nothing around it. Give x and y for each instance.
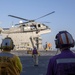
(35, 56)
(10, 64)
(63, 63)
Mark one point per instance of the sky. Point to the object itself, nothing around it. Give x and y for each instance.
(62, 19)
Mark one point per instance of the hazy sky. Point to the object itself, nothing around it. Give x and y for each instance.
(62, 19)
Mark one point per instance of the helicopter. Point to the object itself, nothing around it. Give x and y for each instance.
(26, 35)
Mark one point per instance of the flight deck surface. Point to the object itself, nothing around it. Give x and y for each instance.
(28, 64)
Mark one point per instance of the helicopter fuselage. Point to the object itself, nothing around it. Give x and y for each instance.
(22, 33)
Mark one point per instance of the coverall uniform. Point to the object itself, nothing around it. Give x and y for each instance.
(62, 64)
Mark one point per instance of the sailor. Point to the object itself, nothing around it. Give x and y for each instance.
(46, 46)
(6, 55)
(35, 56)
(49, 46)
(63, 63)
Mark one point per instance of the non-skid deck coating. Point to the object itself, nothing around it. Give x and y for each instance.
(28, 64)
(30, 69)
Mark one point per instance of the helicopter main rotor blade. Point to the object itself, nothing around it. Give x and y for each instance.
(46, 15)
(18, 17)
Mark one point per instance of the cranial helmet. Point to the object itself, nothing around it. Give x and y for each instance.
(7, 44)
(64, 39)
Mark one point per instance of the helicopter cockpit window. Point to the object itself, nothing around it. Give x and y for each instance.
(23, 25)
(33, 26)
(39, 25)
(44, 24)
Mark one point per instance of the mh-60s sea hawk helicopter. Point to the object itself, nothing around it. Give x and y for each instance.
(26, 35)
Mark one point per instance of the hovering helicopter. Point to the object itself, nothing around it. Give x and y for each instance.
(26, 35)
